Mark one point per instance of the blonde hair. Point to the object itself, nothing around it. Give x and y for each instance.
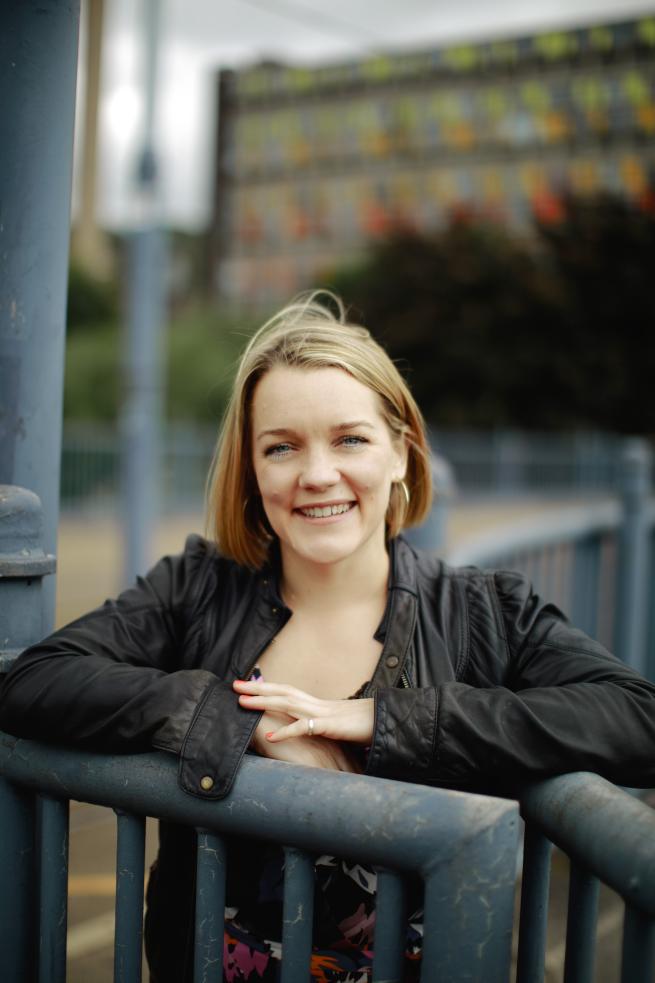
(307, 334)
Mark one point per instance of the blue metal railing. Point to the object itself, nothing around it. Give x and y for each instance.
(462, 847)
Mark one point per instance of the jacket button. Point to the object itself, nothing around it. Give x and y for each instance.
(273, 610)
(206, 783)
(392, 661)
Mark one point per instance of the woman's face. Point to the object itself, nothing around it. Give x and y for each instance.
(324, 461)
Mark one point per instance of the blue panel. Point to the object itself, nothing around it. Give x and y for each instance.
(53, 902)
(130, 859)
(210, 909)
(298, 914)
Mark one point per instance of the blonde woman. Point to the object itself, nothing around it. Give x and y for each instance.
(306, 630)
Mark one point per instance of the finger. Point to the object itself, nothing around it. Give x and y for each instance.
(297, 729)
(275, 704)
(255, 686)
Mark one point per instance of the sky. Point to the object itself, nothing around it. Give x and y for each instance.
(198, 37)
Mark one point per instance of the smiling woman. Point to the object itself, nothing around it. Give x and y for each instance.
(307, 630)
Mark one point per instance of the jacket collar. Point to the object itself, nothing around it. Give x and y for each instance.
(396, 630)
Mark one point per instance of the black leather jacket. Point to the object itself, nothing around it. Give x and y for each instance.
(480, 684)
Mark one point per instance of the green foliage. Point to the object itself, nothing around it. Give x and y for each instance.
(493, 330)
(90, 301)
(91, 382)
(201, 347)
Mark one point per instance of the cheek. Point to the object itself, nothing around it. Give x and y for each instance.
(272, 484)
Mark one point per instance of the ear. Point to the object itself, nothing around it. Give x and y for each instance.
(402, 452)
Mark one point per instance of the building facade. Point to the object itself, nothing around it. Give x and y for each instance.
(313, 163)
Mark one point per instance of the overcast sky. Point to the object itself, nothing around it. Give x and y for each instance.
(200, 36)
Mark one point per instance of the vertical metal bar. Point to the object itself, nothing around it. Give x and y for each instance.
(130, 861)
(38, 67)
(534, 907)
(17, 883)
(634, 556)
(298, 916)
(586, 580)
(581, 926)
(210, 908)
(390, 928)
(638, 956)
(53, 883)
(469, 907)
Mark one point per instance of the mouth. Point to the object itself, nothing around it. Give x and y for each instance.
(325, 511)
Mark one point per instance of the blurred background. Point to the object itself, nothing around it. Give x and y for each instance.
(478, 185)
(476, 180)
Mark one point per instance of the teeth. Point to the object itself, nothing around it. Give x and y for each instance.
(322, 513)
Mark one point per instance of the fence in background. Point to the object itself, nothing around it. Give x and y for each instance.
(495, 462)
(594, 560)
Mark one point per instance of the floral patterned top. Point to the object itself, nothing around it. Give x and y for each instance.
(344, 923)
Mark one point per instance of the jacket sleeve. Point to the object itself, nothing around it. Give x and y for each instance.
(563, 704)
(111, 680)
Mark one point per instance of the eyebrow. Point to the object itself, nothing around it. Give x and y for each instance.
(338, 428)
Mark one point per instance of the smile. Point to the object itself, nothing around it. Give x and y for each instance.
(323, 511)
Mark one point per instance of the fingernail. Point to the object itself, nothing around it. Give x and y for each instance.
(268, 736)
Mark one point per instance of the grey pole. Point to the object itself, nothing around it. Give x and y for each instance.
(141, 415)
(38, 66)
(634, 556)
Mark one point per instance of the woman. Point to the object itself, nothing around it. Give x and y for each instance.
(306, 599)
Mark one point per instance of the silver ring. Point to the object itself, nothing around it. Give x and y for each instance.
(310, 726)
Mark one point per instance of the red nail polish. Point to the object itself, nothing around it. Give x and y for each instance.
(268, 736)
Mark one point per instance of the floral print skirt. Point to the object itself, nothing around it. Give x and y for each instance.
(344, 923)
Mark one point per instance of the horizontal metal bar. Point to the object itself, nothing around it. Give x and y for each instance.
(53, 894)
(602, 828)
(297, 916)
(532, 533)
(130, 861)
(534, 907)
(377, 821)
(210, 908)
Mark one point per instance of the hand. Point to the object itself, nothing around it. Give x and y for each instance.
(338, 720)
(316, 752)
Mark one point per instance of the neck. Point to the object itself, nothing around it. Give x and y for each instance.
(324, 586)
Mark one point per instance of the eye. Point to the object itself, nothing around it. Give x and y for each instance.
(278, 450)
(352, 440)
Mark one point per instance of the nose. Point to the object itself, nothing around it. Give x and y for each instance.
(318, 470)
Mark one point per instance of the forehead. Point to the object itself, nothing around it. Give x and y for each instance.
(312, 393)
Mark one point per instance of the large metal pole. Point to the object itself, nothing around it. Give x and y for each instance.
(141, 415)
(38, 66)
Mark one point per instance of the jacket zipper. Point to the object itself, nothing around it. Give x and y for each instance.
(404, 680)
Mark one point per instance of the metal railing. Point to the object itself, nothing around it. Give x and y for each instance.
(594, 560)
(462, 847)
(609, 837)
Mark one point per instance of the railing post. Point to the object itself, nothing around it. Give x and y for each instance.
(23, 564)
(432, 534)
(634, 556)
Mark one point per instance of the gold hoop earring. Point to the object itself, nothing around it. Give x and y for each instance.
(405, 490)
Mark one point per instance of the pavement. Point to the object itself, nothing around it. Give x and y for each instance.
(88, 572)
